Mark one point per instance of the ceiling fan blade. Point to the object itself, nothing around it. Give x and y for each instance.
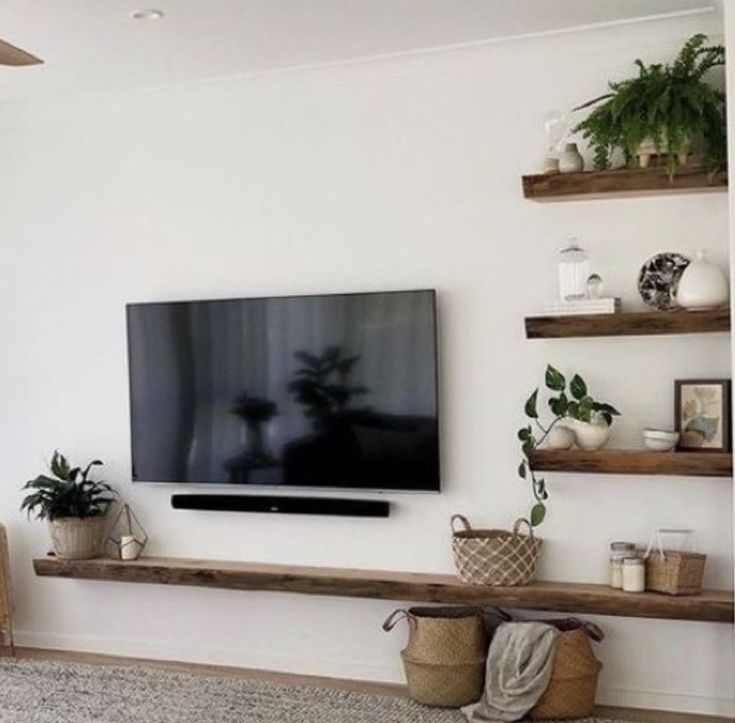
(10, 55)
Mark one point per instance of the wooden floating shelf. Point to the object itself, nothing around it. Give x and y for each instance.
(620, 183)
(633, 461)
(712, 606)
(638, 323)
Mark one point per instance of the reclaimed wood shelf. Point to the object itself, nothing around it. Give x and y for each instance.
(636, 323)
(633, 461)
(711, 606)
(621, 182)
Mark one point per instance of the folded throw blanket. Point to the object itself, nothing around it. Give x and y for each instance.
(519, 667)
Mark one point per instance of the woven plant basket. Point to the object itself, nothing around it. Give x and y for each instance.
(444, 658)
(494, 557)
(675, 573)
(77, 538)
(573, 685)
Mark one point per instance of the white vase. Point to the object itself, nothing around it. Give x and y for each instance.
(702, 285)
(560, 437)
(570, 159)
(590, 436)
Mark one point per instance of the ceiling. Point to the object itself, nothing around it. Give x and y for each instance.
(91, 45)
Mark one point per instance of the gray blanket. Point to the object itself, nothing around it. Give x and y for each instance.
(519, 667)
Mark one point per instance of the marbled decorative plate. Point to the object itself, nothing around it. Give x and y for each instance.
(659, 278)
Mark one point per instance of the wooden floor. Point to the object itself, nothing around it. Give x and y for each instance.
(628, 714)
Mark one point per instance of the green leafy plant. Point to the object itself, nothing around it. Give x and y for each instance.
(578, 404)
(669, 104)
(68, 493)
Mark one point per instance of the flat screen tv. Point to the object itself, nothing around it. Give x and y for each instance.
(333, 391)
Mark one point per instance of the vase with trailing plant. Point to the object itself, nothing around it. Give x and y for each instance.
(666, 110)
(74, 506)
(576, 413)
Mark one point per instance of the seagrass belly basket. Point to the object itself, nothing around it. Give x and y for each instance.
(494, 557)
(444, 659)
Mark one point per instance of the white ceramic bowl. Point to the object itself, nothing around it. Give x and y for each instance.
(660, 440)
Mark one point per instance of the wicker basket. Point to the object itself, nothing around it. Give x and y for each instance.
(573, 685)
(494, 557)
(445, 656)
(78, 538)
(675, 573)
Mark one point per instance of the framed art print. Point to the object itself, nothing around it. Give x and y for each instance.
(702, 413)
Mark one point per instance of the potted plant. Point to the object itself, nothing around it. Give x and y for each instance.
(588, 419)
(663, 110)
(75, 507)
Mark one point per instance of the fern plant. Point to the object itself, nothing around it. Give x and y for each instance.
(68, 493)
(669, 104)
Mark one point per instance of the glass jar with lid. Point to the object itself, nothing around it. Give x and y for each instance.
(634, 574)
(618, 552)
(574, 271)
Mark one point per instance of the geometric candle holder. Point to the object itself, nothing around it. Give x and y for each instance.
(127, 536)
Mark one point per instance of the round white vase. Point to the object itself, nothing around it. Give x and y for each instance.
(570, 159)
(590, 435)
(702, 285)
(560, 437)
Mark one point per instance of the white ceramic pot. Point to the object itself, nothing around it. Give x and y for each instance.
(77, 538)
(702, 285)
(560, 437)
(570, 159)
(647, 150)
(590, 435)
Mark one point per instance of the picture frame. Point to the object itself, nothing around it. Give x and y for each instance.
(702, 410)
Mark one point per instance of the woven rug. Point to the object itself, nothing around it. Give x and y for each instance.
(41, 692)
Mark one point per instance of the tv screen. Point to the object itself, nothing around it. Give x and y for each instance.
(312, 391)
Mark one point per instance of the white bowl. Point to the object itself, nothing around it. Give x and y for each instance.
(660, 440)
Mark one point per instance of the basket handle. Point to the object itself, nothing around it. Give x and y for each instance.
(462, 519)
(517, 527)
(594, 631)
(394, 617)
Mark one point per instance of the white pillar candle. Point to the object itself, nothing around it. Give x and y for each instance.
(129, 548)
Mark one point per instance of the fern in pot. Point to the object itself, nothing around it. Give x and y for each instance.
(663, 111)
(74, 506)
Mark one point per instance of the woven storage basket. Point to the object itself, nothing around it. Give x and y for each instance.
(444, 659)
(494, 557)
(77, 538)
(675, 573)
(573, 685)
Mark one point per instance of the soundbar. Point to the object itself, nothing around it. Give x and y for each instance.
(285, 505)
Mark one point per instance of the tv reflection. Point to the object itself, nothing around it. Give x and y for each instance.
(348, 443)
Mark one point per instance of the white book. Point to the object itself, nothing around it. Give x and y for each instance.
(584, 306)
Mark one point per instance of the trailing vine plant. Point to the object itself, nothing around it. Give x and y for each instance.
(581, 406)
(670, 104)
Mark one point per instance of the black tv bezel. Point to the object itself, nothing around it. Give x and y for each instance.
(292, 488)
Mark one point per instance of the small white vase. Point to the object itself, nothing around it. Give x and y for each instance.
(590, 435)
(570, 159)
(702, 285)
(560, 438)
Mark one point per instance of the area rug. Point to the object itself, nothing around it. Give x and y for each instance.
(45, 692)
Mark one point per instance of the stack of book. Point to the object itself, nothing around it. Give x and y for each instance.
(583, 306)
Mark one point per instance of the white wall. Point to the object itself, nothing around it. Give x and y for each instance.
(399, 173)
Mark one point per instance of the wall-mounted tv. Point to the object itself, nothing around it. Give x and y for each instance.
(332, 391)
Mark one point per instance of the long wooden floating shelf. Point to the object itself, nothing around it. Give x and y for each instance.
(620, 183)
(712, 606)
(633, 461)
(638, 323)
